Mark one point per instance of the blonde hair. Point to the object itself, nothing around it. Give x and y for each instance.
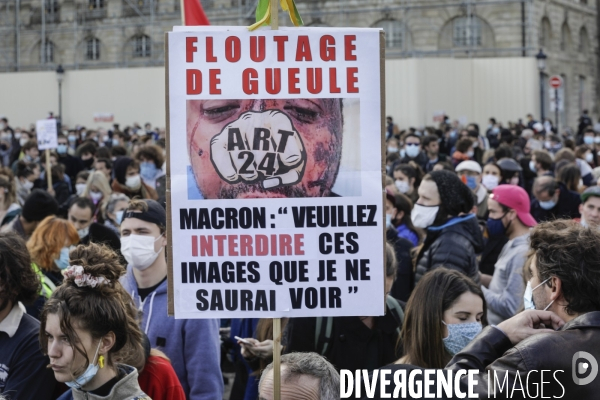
(99, 180)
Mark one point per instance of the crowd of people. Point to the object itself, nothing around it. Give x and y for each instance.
(492, 260)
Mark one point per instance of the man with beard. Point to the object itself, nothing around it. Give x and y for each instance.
(265, 148)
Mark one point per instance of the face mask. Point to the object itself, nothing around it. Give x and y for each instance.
(138, 250)
(148, 170)
(87, 375)
(62, 262)
(532, 166)
(589, 157)
(496, 131)
(106, 139)
(490, 181)
(80, 187)
(471, 182)
(83, 232)
(96, 196)
(17, 135)
(61, 149)
(496, 227)
(528, 296)
(548, 144)
(72, 138)
(412, 150)
(453, 134)
(402, 153)
(22, 141)
(88, 163)
(588, 139)
(514, 181)
(424, 216)
(115, 142)
(597, 139)
(547, 205)
(460, 335)
(388, 220)
(402, 186)
(83, 134)
(119, 217)
(133, 182)
(470, 153)
(6, 137)
(28, 185)
(392, 149)
(475, 145)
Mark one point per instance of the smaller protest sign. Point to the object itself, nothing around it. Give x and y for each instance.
(46, 130)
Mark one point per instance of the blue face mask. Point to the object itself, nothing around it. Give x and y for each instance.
(119, 217)
(388, 220)
(588, 139)
(496, 227)
(61, 149)
(460, 335)
(471, 182)
(528, 296)
(148, 170)
(87, 375)
(63, 260)
(547, 205)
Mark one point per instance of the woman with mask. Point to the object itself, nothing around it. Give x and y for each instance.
(98, 190)
(453, 234)
(151, 161)
(584, 153)
(113, 213)
(444, 313)
(89, 325)
(81, 181)
(398, 208)
(510, 171)
(9, 208)
(49, 249)
(408, 178)
(24, 178)
(491, 176)
(128, 180)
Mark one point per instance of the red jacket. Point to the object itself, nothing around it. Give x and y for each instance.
(159, 381)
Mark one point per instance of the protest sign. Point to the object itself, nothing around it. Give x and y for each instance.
(275, 198)
(46, 131)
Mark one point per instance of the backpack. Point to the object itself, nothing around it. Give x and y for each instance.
(324, 325)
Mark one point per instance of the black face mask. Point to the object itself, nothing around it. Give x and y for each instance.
(3, 147)
(88, 163)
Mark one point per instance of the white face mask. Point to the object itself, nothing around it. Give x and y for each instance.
(402, 186)
(589, 157)
(80, 187)
(28, 185)
(138, 250)
(23, 140)
(95, 196)
(490, 181)
(83, 232)
(424, 216)
(133, 182)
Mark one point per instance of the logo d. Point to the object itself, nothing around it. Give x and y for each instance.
(583, 367)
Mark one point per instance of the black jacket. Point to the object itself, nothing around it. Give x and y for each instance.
(73, 166)
(453, 245)
(404, 275)
(493, 351)
(566, 207)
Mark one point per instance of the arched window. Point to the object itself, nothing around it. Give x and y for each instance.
(466, 31)
(142, 46)
(545, 34)
(47, 52)
(394, 32)
(584, 40)
(565, 37)
(92, 49)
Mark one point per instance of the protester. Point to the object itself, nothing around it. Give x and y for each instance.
(553, 200)
(541, 163)
(80, 214)
(38, 206)
(81, 182)
(31, 154)
(151, 161)
(398, 209)
(510, 171)
(104, 165)
(9, 208)
(73, 165)
(98, 190)
(113, 214)
(408, 178)
(431, 147)
(24, 178)
(453, 235)
(562, 303)
(464, 151)
(491, 176)
(128, 180)
(143, 242)
(570, 176)
(470, 174)
(444, 313)
(24, 374)
(86, 153)
(89, 325)
(306, 376)
(590, 207)
(412, 148)
(509, 216)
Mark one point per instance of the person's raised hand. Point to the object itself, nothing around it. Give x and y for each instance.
(247, 348)
(528, 323)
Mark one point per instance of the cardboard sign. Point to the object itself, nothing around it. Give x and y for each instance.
(46, 131)
(275, 172)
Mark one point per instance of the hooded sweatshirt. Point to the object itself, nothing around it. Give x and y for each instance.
(193, 345)
(126, 389)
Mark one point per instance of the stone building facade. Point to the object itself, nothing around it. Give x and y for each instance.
(82, 34)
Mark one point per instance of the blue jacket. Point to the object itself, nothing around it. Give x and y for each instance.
(193, 345)
(406, 233)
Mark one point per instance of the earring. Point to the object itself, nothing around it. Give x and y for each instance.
(101, 361)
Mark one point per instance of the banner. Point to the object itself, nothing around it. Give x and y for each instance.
(275, 172)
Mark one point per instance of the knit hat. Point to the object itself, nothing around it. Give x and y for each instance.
(120, 168)
(38, 205)
(455, 196)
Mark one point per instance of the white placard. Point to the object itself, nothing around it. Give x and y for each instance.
(46, 131)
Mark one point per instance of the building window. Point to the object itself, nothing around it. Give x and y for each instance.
(95, 4)
(545, 33)
(394, 33)
(92, 51)
(565, 38)
(142, 46)
(584, 41)
(582, 95)
(467, 32)
(47, 52)
(51, 6)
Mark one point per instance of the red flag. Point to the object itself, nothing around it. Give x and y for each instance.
(193, 13)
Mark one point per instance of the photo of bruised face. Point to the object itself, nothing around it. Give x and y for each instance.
(265, 148)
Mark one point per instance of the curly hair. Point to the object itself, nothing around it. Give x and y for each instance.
(18, 281)
(97, 310)
(570, 252)
(48, 239)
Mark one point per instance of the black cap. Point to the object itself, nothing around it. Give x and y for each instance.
(155, 214)
(38, 205)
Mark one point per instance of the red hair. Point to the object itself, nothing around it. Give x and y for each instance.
(51, 235)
